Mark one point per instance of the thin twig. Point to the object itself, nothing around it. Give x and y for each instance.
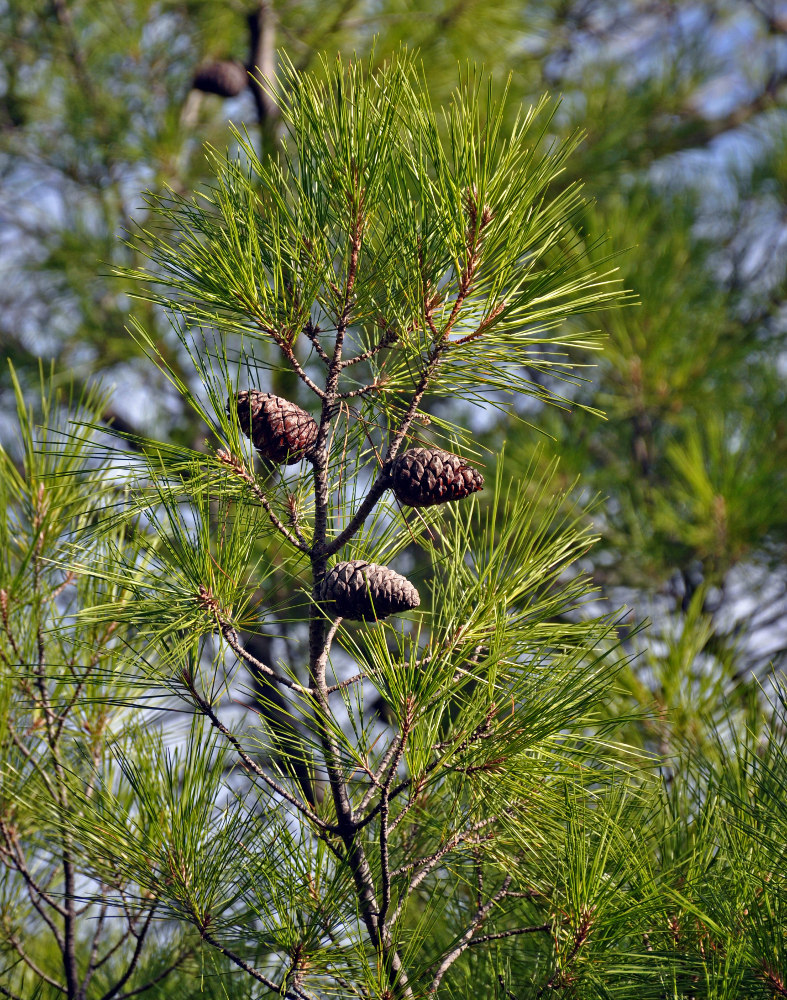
(354, 393)
(580, 937)
(507, 934)
(378, 487)
(240, 470)
(381, 484)
(14, 859)
(249, 969)
(479, 873)
(118, 944)
(15, 944)
(91, 961)
(7, 625)
(206, 708)
(774, 982)
(482, 327)
(19, 863)
(430, 863)
(377, 776)
(140, 936)
(385, 873)
(345, 684)
(403, 785)
(157, 978)
(502, 983)
(7, 993)
(68, 950)
(80, 685)
(312, 331)
(410, 804)
(286, 350)
(388, 338)
(232, 639)
(295, 523)
(464, 942)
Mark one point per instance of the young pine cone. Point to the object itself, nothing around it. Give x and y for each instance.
(423, 477)
(279, 430)
(360, 590)
(225, 78)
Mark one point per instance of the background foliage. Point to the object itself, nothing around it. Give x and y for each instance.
(683, 154)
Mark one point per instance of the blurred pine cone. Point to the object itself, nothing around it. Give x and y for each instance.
(360, 590)
(225, 78)
(423, 477)
(279, 430)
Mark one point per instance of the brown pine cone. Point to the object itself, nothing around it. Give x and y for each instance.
(225, 78)
(360, 590)
(279, 430)
(423, 477)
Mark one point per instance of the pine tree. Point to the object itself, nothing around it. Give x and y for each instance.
(97, 95)
(694, 496)
(414, 252)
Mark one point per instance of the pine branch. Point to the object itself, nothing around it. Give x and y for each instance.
(364, 390)
(115, 947)
(342, 685)
(4, 991)
(7, 625)
(512, 933)
(385, 873)
(158, 978)
(38, 895)
(252, 766)
(388, 339)
(94, 946)
(249, 969)
(84, 676)
(320, 638)
(53, 731)
(464, 942)
(140, 939)
(397, 791)
(232, 639)
(312, 333)
(235, 464)
(377, 777)
(429, 863)
(382, 482)
(35, 969)
(284, 347)
(486, 324)
(482, 732)
(369, 502)
(561, 969)
(262, 61)
(276, 708)
(774, 982)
